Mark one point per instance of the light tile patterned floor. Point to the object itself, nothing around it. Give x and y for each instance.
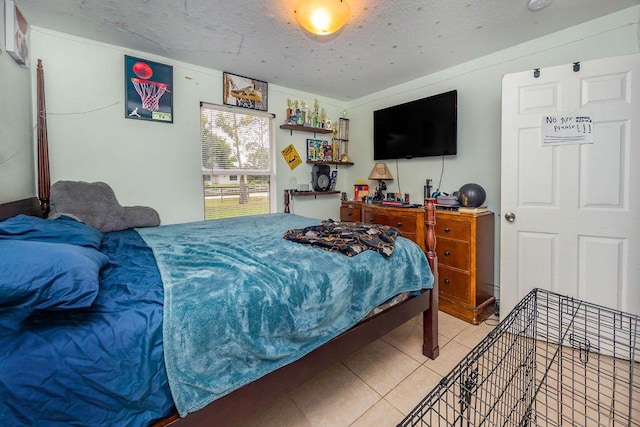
(379, 385)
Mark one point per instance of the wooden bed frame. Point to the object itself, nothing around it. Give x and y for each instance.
(248, 399)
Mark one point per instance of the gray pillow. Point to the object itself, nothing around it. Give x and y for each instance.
(96, 205)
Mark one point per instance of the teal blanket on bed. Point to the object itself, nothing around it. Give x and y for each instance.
(241, 301)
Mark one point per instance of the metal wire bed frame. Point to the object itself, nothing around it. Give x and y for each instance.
(553, 361)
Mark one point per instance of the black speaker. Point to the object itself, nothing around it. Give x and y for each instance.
(320, 177)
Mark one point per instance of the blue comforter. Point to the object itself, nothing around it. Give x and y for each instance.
(240, 301)
(101, 366)
(237, 301)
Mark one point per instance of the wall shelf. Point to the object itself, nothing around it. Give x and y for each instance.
(301, 128)
(312, 193)
(294, 193)
(329, 162)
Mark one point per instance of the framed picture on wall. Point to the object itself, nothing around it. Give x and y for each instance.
(244, 92)
(148, 90)
(15, 35)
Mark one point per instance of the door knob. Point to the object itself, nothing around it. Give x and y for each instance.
(510, 216)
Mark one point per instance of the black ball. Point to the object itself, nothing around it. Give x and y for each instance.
(471, 195)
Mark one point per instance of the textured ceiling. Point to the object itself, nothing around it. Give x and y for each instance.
(386, 42)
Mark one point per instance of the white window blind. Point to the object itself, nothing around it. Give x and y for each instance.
(237, 172)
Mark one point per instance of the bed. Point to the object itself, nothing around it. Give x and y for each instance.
(127, 351)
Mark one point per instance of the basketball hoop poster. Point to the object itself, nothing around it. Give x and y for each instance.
(148, 90)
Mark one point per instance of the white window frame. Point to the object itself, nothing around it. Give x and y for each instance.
(271, 152)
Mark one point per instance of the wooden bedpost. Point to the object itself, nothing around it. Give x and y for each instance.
(286, 201)
(44, 182)
(430, 347)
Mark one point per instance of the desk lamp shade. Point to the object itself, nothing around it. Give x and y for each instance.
(380, 171)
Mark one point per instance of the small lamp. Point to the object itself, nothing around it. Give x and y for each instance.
(380, 172)
(322, 17)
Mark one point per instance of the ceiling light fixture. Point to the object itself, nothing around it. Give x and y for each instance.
(322, 17)
(535, 5)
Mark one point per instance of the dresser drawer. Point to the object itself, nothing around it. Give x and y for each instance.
(453, 229)
(371, 217)
(454, 253)
(403, 223)
(406, 224)
(350, 213)
(410, 221)
(454, 284)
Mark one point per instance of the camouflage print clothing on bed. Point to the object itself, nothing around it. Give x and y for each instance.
(349, 238)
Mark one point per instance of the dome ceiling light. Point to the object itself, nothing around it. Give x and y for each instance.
(322, 17)
(535, 5)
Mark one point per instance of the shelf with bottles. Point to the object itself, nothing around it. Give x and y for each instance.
(300, 117)
(303, 128)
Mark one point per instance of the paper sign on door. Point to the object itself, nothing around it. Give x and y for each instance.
(567, 130)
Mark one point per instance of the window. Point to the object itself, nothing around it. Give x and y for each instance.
(237, 172)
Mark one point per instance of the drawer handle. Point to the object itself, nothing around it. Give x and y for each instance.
(447, 253)
(399, 224)
(447, 281)
(447, 229)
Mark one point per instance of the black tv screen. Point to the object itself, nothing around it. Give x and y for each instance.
(422, 128)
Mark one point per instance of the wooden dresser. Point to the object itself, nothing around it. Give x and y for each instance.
(465, 245)
(410, 221)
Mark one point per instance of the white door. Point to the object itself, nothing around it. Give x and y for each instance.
(575, 208)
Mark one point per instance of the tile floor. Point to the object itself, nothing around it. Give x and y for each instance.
(379, 385)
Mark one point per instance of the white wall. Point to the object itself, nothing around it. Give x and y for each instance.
(17, 179)
(146, 163)
(479, 85)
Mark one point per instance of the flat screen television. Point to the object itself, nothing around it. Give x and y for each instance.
(422, 128)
